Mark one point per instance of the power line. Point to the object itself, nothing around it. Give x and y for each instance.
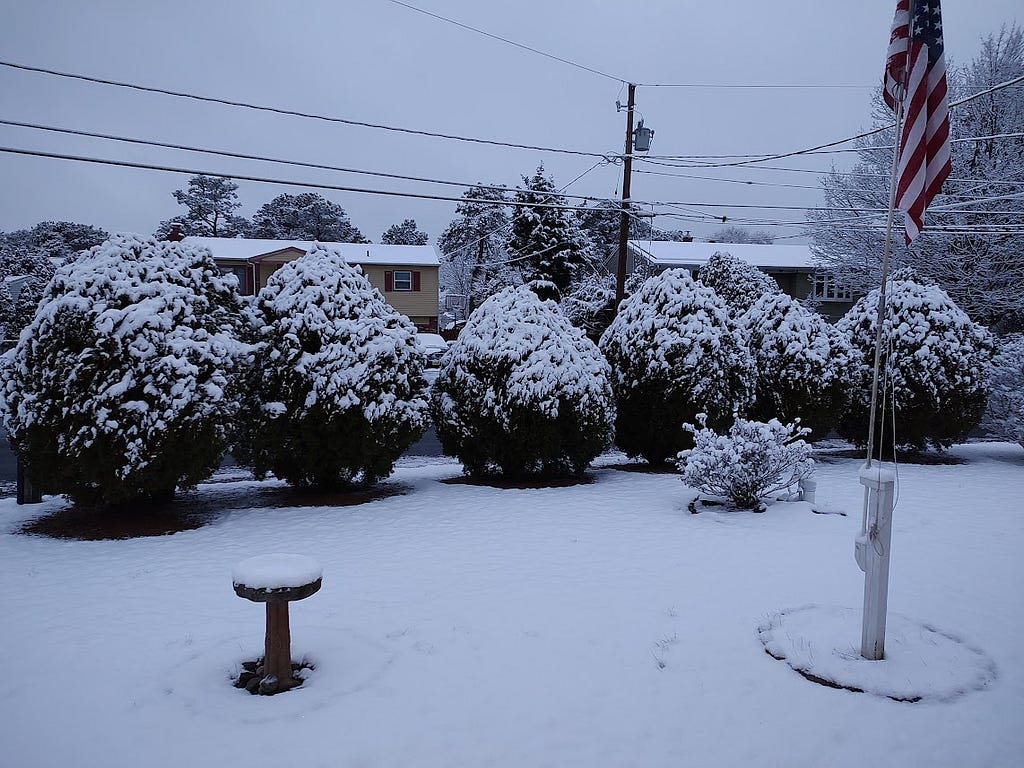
(296, 113)
(815, 149)
(281, 161)
(283, 182)
(510, 42)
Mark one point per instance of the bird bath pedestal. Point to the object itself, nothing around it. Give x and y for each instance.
(276, 580)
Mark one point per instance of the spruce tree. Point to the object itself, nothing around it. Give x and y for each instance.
(549, 240)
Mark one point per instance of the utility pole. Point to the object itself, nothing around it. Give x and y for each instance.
(627, 168)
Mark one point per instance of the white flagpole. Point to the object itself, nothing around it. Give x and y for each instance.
(873, 544)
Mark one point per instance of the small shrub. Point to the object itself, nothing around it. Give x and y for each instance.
(675, 352)
(337, 378)
(522, 393)
(753, 461)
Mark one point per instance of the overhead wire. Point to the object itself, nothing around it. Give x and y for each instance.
(293, 112)
(506, 40)
(266, 180)
(262, 158)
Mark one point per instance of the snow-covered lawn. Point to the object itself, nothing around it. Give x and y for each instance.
(596, 625)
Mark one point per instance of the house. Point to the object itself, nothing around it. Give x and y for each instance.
(791, 266)
(406, 275)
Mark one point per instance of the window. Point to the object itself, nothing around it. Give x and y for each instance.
(826, 288)
(239, 272)
(403, 280)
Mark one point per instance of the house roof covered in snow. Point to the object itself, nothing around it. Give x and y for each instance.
(248, 249)
(696, 255)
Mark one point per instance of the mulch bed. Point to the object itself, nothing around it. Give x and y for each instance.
(494, 482)
(190, 511)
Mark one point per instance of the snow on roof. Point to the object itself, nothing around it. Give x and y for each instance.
(246, 248)
(673, 254)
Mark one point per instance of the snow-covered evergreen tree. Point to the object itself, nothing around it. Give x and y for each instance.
(474, 262)
(522, 393)
(338, 379)
(550, 241)
(406, 233)
(58, 240)
(804, 365)
(121, 388)
(305, 216)
(31, 267)
(1004, 416)
(935, 362)
(751, 462)
(211, 202)
(675, 352)
(737, 283)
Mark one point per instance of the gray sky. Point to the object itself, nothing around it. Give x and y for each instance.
(374, 61)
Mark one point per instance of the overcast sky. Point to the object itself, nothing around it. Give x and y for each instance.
(374, 61)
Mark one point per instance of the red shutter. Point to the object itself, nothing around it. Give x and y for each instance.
(415, 281)
(389, 281)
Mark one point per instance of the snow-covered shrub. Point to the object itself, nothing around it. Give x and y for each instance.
(675, 352)
(121, 387)
(338, 378)
(32, 269)
(522, 393)
(753, 461)
(736, 282)
(1004, 416)
(804, 364)
(935, 364)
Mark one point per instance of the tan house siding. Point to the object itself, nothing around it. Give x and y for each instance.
(415, 304)
(419, 306)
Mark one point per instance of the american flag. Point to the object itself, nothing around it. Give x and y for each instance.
(915, 74)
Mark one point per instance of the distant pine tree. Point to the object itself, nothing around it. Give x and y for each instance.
(306, 216)
(550, 242)
(405, 233)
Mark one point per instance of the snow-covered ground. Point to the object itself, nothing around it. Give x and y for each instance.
(597, 625)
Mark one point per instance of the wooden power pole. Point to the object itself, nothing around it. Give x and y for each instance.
(627, 169)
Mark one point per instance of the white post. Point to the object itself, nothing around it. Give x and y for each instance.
(880, 484)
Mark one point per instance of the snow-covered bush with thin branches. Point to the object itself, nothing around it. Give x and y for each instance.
(675, 352)
(1004, 416)
(804, 364)
(122, 387)
(736, 282)
(754, 460)
(935, 366)
(523, 393)
(338, 384)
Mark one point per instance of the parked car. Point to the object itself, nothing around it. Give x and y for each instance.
(433, 347)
